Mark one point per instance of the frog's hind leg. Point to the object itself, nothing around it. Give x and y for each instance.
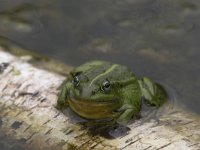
(153, 93)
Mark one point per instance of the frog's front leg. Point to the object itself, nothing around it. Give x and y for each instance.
(131, 102)
(62, 98)
(152, 92)
(128, 112)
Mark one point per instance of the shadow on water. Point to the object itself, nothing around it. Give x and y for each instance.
(158, 39)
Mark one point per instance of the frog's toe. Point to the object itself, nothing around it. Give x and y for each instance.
(125, 117)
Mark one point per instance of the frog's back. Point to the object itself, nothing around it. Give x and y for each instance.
(97, 70)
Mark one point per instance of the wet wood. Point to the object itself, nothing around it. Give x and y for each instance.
(27, 100)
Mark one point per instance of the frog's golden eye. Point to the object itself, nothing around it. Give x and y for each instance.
(75, 81)
(106, 86)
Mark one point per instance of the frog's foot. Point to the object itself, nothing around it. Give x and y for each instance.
(128, 112)
(153, 93)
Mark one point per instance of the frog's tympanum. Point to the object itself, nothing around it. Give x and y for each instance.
(103, 90)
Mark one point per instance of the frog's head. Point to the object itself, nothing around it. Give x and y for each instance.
(94, 90)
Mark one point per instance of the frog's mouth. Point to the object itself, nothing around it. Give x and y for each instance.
(93, 109)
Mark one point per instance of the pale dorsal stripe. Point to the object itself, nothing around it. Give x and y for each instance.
(103, 74)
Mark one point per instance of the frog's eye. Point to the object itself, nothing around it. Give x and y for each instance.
(75, 81)
(106, 86)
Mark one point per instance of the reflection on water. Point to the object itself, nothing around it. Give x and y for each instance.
(159, 39)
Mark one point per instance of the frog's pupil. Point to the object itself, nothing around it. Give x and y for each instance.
(75, 81)
(107, 85)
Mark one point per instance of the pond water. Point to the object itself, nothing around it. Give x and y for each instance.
(158, 39)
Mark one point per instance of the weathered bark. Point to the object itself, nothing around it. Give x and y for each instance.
(27, 101)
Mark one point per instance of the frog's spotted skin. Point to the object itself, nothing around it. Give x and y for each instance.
(100, 90)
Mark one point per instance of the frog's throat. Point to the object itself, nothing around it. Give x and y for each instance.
(93, 110)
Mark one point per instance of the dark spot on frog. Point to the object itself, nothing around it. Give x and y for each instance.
(16, 125)
(3, 66)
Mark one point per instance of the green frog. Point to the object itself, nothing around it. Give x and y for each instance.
(103, 90)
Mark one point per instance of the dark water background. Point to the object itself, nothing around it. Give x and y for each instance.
(156, 38)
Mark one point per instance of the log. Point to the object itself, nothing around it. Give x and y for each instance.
(28, 97)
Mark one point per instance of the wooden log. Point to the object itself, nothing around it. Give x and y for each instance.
(28, 97)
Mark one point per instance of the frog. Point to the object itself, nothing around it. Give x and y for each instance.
(105, 90)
